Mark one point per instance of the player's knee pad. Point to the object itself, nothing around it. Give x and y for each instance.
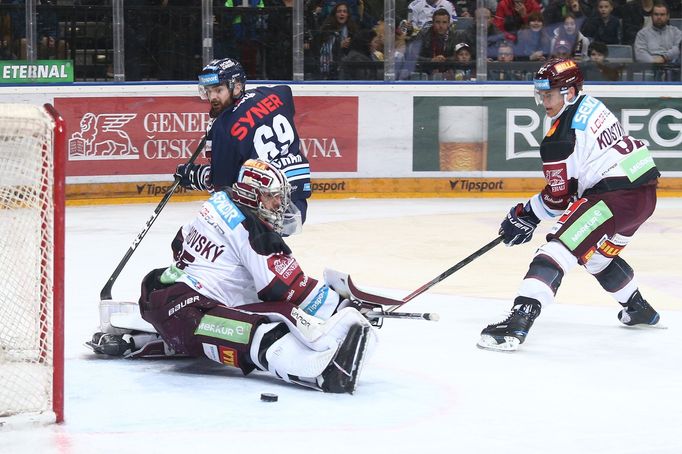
(547, 271)
(615, 276)
(542, 279)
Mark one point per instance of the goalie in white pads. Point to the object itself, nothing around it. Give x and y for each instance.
(237, 296)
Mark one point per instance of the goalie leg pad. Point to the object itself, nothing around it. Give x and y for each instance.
(330, 363)
(121, 317)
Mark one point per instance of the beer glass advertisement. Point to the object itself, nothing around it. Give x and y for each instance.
(479, 134)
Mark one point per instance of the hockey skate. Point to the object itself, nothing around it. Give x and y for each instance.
(508, 334)
(341, 375)
(131, 345)
(112, 344)
(638, 312)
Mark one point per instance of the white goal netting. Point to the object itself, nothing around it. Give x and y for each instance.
(27, 272)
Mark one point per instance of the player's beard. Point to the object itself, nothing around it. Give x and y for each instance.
(215, 110)
(218, 107)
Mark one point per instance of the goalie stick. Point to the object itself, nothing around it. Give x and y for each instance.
(105, 294)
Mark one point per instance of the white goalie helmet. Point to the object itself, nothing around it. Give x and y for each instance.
(263, 187)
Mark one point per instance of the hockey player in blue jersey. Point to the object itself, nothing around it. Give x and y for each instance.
(249, 124)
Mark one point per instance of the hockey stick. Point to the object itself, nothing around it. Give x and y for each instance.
(105, 294)
(430, 316)
(449, 271)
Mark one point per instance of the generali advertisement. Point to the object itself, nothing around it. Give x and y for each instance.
(152, 135)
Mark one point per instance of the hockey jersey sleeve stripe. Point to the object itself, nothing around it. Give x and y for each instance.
(294, 173)
(541, 210)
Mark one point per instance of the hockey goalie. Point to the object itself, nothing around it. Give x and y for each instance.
(236, 295)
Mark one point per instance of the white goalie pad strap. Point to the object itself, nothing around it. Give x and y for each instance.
(121, 317)
(288, 356)
(336, 329)
(261, 331)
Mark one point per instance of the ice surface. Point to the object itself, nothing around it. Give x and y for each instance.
(580, 383)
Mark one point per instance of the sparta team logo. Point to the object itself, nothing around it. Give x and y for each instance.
(102, 137)
(556, 177)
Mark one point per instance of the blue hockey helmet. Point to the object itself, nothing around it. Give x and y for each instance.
(226, 71)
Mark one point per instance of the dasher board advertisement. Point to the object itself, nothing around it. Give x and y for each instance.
(131, 136)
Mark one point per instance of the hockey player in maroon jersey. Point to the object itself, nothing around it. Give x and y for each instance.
(237, 296)
(601, 185)
(249, 124)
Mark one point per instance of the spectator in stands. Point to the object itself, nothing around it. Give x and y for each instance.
(361, 63)
(400, 47)
(437, 51)
(597, 67)
(659, 43)
(419, 17)
(603, 26)
(512, 15)
(355, 9)
(463, 62)
(495, 36)
(50, 45)
(464, 8)
(505, 52)
(561, 49)
(570, 33)
(533, 43)
(636, 16)
(557, 10)
(420, 13)
(334, 40)
(505, 55)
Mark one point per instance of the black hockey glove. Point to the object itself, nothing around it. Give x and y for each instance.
(194, 176)
(519, 225)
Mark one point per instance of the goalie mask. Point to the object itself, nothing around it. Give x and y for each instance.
(558, 73)
(264, 188)
(227, 71)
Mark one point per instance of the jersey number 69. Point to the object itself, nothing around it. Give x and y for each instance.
(273, 142)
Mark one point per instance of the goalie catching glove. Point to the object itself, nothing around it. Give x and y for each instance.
(196, 177)
(519, 225)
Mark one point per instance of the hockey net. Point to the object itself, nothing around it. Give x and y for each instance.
(31, 264)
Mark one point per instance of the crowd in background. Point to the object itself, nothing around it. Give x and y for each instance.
(344, 39)
(436, 39)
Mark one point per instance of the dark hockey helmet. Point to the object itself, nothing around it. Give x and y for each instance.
(257, 184)
(226, 71)
(558, 73)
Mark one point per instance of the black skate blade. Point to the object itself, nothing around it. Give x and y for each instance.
(506, 344)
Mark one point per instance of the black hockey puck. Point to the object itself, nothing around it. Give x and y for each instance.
(268, 397)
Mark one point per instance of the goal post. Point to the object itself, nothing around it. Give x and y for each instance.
(32, 161)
